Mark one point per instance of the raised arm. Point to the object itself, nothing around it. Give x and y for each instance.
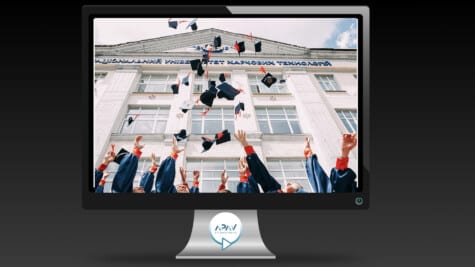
(166, 172)
(317, 177)
(342, 177)
(124, 177)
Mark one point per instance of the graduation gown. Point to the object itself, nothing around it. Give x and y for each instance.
(262, 176)
(146, 182)
(124, 177)
(166, 176)
(248, 187)
(317, 177)
(342, 178)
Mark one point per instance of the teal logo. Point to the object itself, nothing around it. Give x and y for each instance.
(359, 201)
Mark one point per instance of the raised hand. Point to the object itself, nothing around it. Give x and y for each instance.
(242, 166)
(110, 155)
(183, 175)
(349, 142)
(241, 137)
(175, 148)
(224, 177)
(308, 150)
(196, 175)
(137, 142)
(154, 163)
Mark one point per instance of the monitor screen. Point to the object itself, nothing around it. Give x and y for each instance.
(226, 109)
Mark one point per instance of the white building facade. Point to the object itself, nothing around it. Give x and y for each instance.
(318, 99)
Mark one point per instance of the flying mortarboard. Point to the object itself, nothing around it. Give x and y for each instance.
(211, 84)
(282, 81)
(217, 41)
(130, 120)
(222, 137)
(200, 70)
(227, 91)
(208, 96)
(207, 143)
(205, 58)
(172, 24)
(193, 25)
(195, 63)
(181, 135)
(175, 87)
(119, 156)
(240, 47)
(268, 80)
(258, 46)
(186, 80)
(187, 105)
(238, 108)
(222, 77)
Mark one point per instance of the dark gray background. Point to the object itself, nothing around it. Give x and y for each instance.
(422, 200)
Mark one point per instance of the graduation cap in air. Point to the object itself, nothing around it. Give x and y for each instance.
(222, 137)
(193, 25)
(187, 105)
(217, 41)
(207, 143)
(173, 24)
(119, 156)
(240, 47)
(175, 87)
(282, 81)
(208, 96)
(227, 91)
(186, 80)
(238, 108)
(205, 58)
(200, 70)
(269, 80)
(130, 120)
(211, 84)
(258, 46)
(195, 63)
(181, 135)
(222, 77)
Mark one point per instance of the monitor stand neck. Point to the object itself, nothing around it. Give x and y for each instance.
(224, 238)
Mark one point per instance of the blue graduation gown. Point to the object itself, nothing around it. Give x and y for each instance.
(99, 189)
(317, 177)
(97, 176)
(268, 183)
(343, 181)
(166, 176)
(124, 177)
(194, 190)
(146, 182)
(249, 187)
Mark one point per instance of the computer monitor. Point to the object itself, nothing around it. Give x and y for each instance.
(226, 110)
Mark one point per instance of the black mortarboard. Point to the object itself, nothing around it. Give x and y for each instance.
(207, 143)
(181, 135)
(172, 24)
(200, 70)
(217, 41)
(258, 46)
(240, 47)
(211, 84)
(268, 80)
(175, 88)
(119, 156)
(222, 77)
(193, 25)
(227, 91)
(195, 63)
(208, 96)
(222, 137)
(186, 80)
(130, 120)
(205, 58)
(187, 105)
(282, 81)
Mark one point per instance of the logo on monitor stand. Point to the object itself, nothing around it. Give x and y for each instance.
(225, 229)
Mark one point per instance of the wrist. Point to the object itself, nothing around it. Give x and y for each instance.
(174, 155)
(102, 167)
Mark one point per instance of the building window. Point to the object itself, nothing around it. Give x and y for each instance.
(99, 76)
(210, 173)
(257, 87)
(201, 83)
(349, 118)
(327, 82)
(214, 122)
(145, 120)
(143, 166)
(289, 170)
(281, 120)
(153, 83)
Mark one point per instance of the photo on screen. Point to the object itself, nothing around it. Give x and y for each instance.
(225, 105)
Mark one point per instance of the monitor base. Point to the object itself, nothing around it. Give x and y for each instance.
(248, 245)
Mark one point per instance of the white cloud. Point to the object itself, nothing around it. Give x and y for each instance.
(348, 38)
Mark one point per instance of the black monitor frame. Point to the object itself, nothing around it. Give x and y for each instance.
(93, 200)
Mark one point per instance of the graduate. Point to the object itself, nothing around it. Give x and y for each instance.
(342, 178)
(262, 176)
(183, 187)
(99, 171)
(146, 182)
(247, 183)
(124, 177)
(223, 187)
(166, 172)
(102, 182)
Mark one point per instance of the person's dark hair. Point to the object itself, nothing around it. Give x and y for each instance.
(224, 191)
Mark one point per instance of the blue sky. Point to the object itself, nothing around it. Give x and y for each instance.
(307, 32)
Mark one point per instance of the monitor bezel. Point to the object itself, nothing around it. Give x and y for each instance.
(92, 200)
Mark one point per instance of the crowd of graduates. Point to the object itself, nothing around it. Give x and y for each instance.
(160, 178)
